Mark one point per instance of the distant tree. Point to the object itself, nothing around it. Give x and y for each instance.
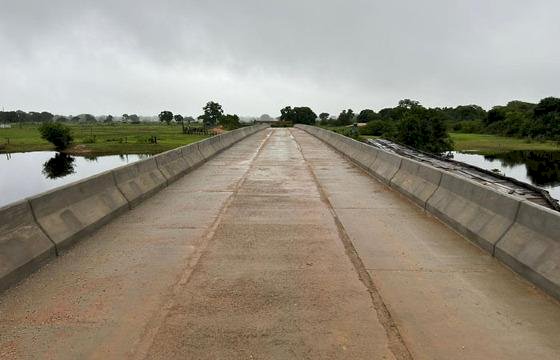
(134, 119)
(213, 112)
(346, 117)
(124, 117)
(188, 120)
(109, 119)
(46, 116)
(424, 129)
(180, 120)
(88, 118)
(546, 123)
(230, 122)
(469, 113)
(408, 104)
(166, 116)
(366, 116)
(58, 134)
(497, 114)
(288, 114)
(324, 118)
(298, 115)
(547, 106)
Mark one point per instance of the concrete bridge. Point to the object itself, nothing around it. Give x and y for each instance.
(279, 247)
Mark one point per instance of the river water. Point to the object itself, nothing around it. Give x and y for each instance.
(27, 174)
(540, 168)
(30, 173)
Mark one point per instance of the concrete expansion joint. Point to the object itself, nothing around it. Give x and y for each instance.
(397, 345)
(120, 191)
(396, 172)
(430, 197)
(56, 251)
(507, 229)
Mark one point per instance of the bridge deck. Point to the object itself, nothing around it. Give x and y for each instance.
(277, 248)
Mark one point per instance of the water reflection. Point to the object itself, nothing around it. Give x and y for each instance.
(27, 174)
(59, 165)
(540, 168)
(543, 167)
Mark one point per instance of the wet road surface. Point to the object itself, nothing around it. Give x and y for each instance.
(278, 248)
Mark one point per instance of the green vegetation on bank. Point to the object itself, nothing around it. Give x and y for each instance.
(517, 125)
(22, 131)
(101, 138)
(492, 144)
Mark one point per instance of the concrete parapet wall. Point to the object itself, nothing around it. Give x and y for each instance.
(73, 211)
(24, 247)
(385, 166)
(31, 231)
(523, 235)
(417, 181)
(478, 212)
(172, 164)
(531, 246)
(139, 180)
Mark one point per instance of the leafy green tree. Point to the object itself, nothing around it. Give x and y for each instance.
(179, 119)
(346, 117)
(324, 118)
(230, 122)
(109, 119)
(58, 134)
(288, 114)
(366, 116)
(165, 116)
(298, 115)
(546, 122)
(124, 117)
(495, 115)
(213, 112)
(424, 129)
(134, 119)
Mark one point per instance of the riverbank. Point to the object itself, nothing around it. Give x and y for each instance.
(100, 139)
(491, 144)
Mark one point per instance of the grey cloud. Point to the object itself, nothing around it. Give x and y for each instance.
(257, 56)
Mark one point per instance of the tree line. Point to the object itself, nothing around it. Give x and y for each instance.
(427, 129)
(213, 115)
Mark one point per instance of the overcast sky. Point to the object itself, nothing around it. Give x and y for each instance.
(256, 56)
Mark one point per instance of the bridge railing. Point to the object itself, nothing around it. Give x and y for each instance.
(523, 235)
(36, 229)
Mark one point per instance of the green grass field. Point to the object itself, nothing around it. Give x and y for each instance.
(492, 144)
(101, 139)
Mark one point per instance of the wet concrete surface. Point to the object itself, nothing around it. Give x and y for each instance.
(278, 248)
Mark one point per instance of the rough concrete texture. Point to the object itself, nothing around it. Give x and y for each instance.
(276, 248)
(23, 245)
(75, 210)
(172, 164)
(532, 246)
(192, 155)
(417, 181)
(139, 180)
(448, 298)
(478, 212)
(385, 166)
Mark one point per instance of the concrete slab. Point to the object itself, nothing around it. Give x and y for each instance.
(449, 299)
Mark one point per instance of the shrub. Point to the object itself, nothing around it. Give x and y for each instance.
(58, 134)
